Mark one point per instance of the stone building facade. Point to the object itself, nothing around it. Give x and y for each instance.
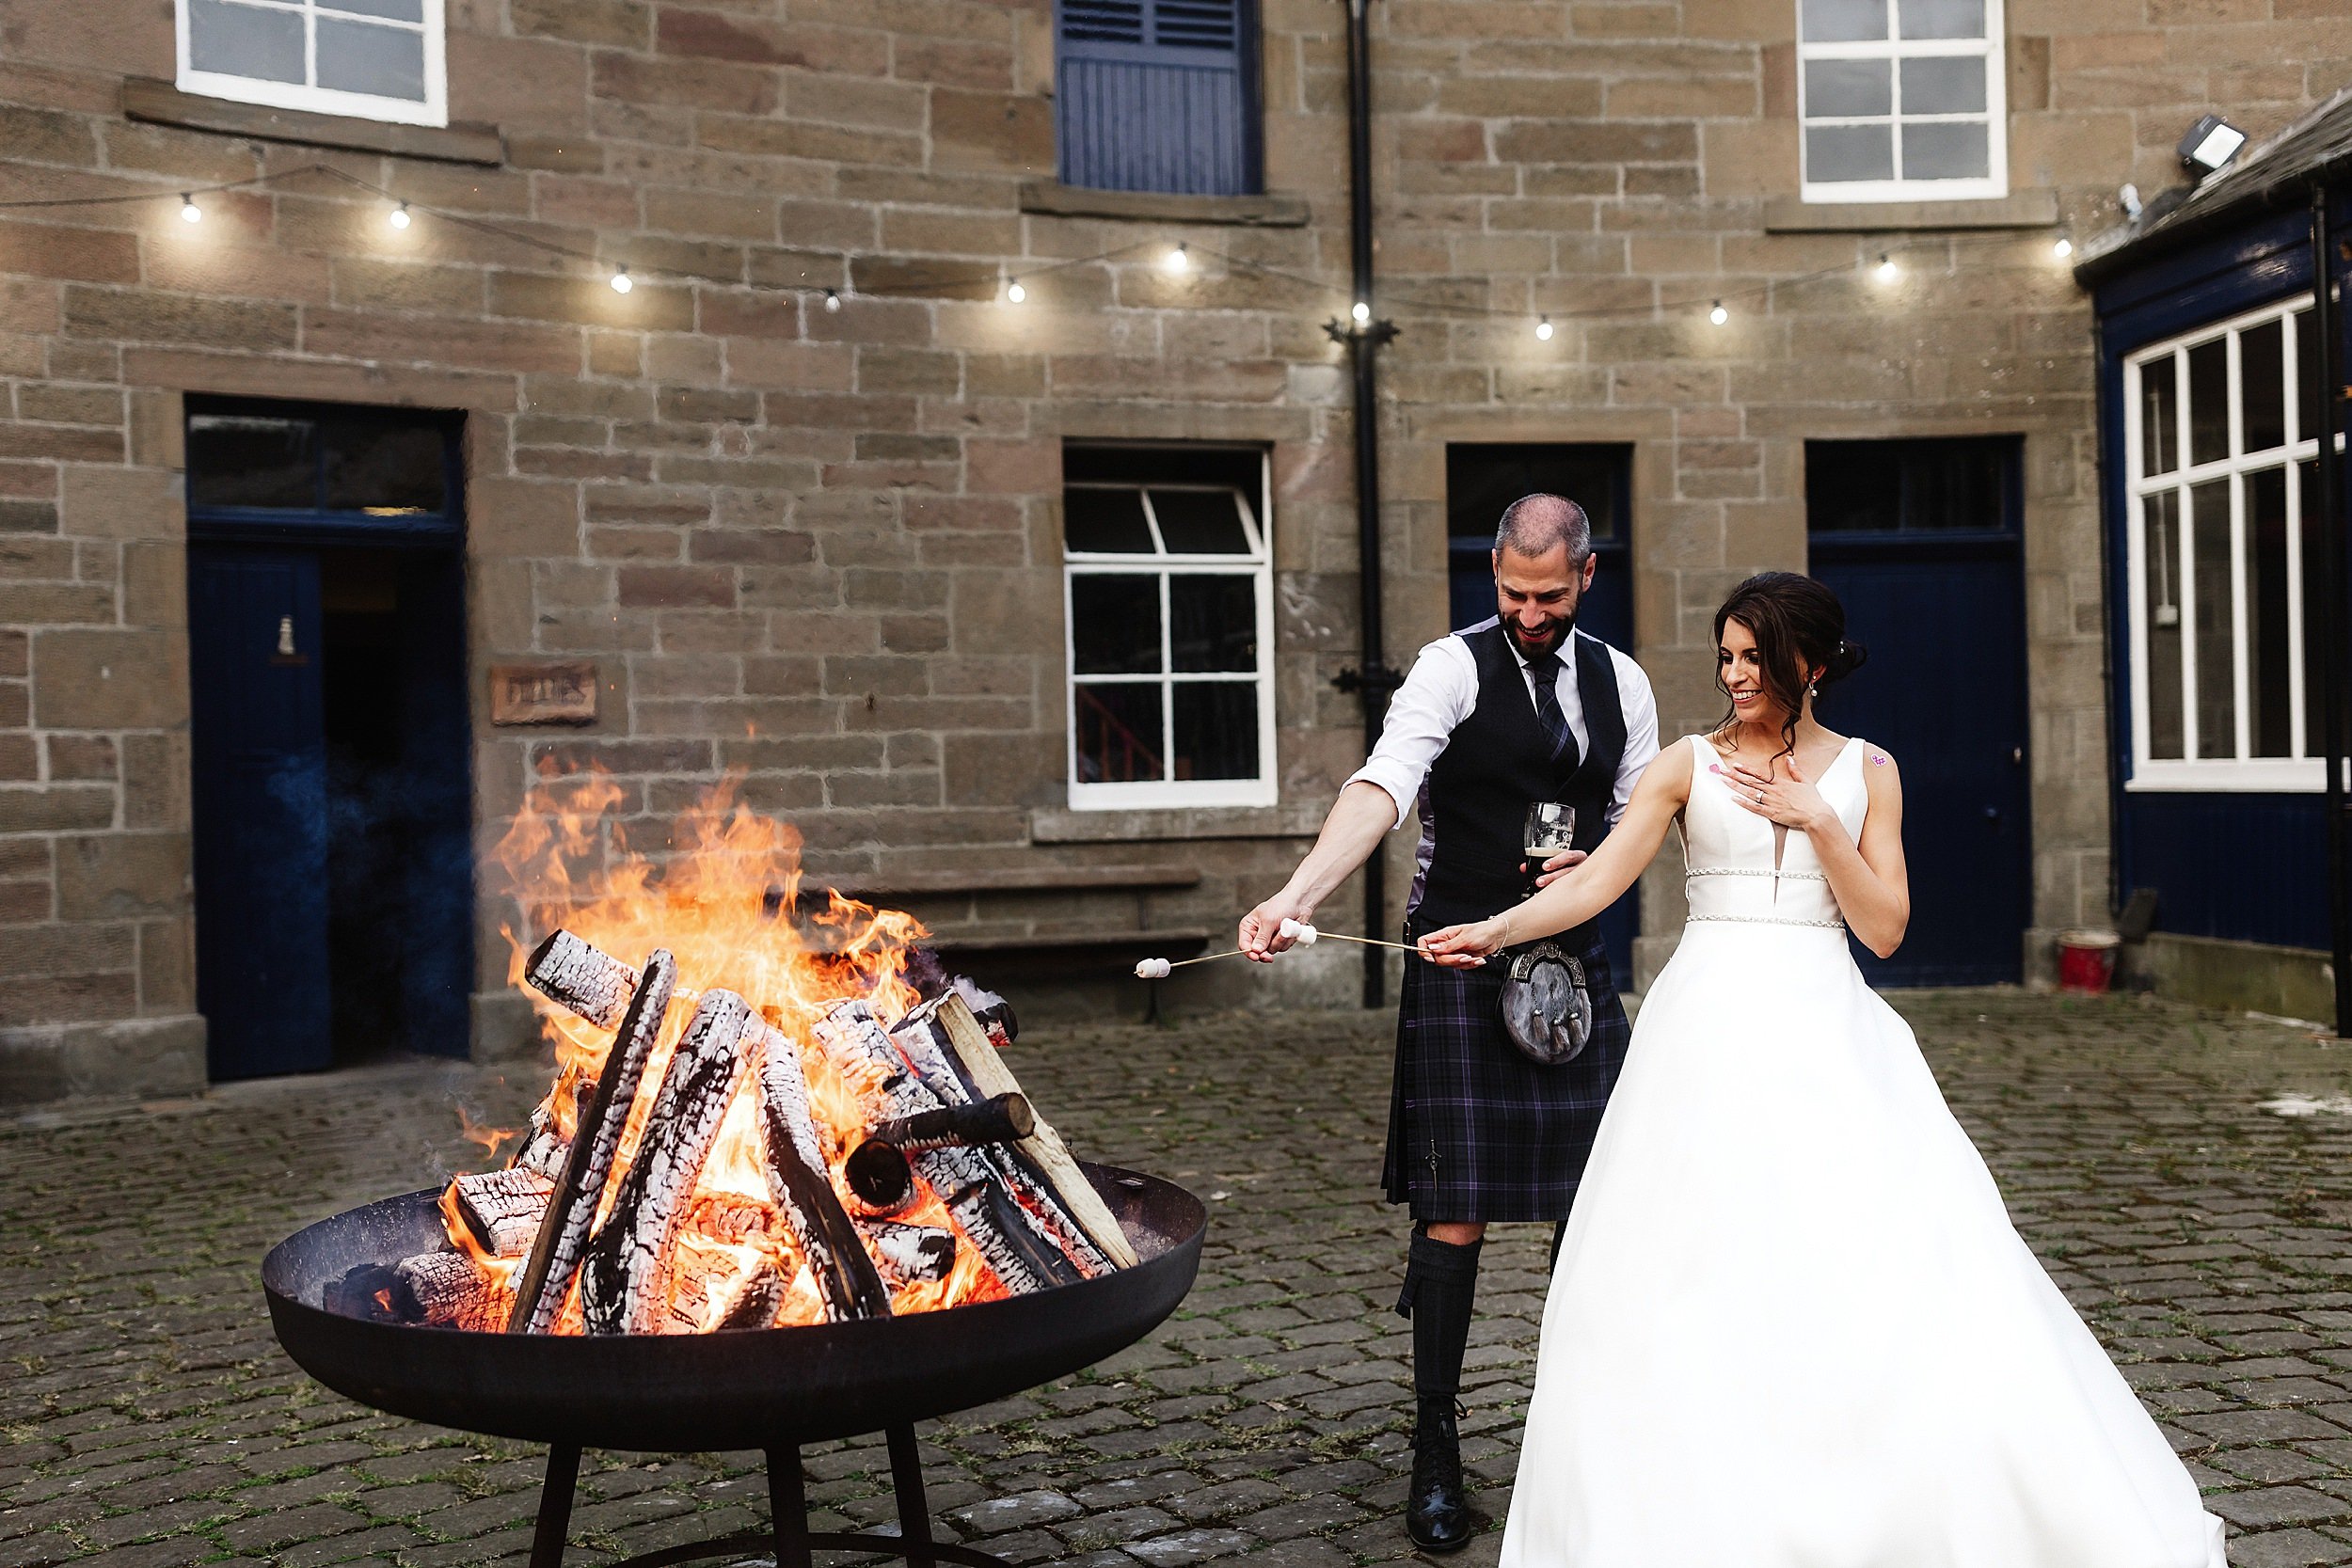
(825, 548)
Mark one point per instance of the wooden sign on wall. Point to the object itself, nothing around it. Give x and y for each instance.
(564, 694)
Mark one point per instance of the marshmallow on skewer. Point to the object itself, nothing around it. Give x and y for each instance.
(1299, 932)
(1152, 969)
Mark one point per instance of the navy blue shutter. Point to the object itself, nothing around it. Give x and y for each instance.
(1158, 95)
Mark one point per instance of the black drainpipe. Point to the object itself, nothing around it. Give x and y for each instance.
(1363, 334)
(2327, 320)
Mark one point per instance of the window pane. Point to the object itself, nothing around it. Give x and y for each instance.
(2209, 401)
(1107, 522)
(2262, 385)
(1940, 150)
(2159, 414)
(1834, 154)
(360, 57)
(1933, 482)
(1217, 730)
(2161, 543)
(2315, 607)
(2216, 659)
(1201, 522)
(252, 460)
(1119, 732)
(2266, 682)
(245, 41)
(373, 467)
(1838, 89)
(1212, 624)
(1842, 21)
(1944, 85)
(398, 11)
(1943, 18)
(1115, 625)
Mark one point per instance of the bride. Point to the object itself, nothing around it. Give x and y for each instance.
(1790, 1325)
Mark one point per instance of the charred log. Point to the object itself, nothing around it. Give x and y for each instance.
(591, 983)
(1041, 1152)
(563, 1239)
(755, 1301)
(727, 1217)
(910, 1254)
(846, 1281)
(1009, 1239)
(503, 1209)
(1001, 1119)
(880, 1175)
(624, 1277)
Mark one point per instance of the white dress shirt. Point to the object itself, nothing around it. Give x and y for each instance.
(1443, 688)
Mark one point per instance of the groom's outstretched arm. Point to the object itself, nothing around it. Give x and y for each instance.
(1359, 818)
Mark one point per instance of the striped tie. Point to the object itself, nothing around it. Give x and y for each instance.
(1546, 670)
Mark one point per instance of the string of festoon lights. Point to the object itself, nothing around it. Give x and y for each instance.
(1011, 284)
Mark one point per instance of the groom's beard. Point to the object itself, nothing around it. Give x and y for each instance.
(1549, 639)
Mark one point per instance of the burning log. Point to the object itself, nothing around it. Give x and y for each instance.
(449, 1290)
(1010, 1239)
(755, 1301)
(624, 1277)
(878, 1171)
(727, 1217)
(543, 1151)
(563, 1240)
(951, 1047)
(591, 983)
(910, 1254)
(794, 1159)
(503, 1209)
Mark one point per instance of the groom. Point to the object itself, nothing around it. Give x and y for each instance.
(1516, 710)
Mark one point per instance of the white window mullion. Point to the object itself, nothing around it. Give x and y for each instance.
(2299, 743)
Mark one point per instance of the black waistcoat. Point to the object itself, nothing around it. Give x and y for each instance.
(1497, 764)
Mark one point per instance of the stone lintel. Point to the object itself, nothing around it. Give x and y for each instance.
(1248, 211)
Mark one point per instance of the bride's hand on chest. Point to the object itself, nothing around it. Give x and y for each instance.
(1784, 795)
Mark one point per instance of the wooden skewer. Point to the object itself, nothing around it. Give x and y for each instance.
(1306, 936)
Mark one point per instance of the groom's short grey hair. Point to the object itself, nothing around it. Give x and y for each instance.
(1539, 524)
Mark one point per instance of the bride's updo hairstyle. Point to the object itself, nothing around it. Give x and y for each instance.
(1798, 625)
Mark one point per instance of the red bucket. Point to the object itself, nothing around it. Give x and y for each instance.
(2087, 960)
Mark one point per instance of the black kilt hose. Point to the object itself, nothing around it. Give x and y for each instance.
(1477, 1132)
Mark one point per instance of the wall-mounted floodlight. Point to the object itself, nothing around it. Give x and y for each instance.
(2209, 146)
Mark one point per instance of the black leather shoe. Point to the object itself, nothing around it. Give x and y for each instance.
(1436, 1514)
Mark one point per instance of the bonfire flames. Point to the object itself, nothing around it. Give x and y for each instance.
(758, 1118)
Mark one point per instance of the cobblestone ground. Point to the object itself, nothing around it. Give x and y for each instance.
(149, 1417)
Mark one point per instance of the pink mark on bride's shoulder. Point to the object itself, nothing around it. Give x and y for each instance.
(1878, 759)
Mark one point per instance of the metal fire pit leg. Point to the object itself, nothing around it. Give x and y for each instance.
(787, 1507)
(914, 1510)
(555, 1507)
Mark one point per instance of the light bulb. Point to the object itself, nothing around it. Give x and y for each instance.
(1887, 270)
(398, 217)
(189, 211)
(1362, 313)
(832, 302)
(1176, 263)
(1015, 293)
(1543, 330)
(621, 284)
(1717, 314)
(2063, 248)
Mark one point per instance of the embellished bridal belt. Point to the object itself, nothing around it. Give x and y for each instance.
(1831, 923)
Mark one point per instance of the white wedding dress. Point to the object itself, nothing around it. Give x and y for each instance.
(1792, 1325)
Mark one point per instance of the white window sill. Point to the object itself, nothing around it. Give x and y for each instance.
(2274, 776)
(1291, 819)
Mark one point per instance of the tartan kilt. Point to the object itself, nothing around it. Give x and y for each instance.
(1477, 1132)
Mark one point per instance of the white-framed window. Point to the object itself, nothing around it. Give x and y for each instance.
(2222, 552)
(372, 59)
(1901, 100)
(1168, 600)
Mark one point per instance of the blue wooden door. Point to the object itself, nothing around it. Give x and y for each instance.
(1483, 478)
(1920, 540)
(259, 768)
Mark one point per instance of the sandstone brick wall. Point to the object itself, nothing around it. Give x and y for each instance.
(823, 548)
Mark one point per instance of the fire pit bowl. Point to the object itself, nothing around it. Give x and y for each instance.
(771, 1388)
